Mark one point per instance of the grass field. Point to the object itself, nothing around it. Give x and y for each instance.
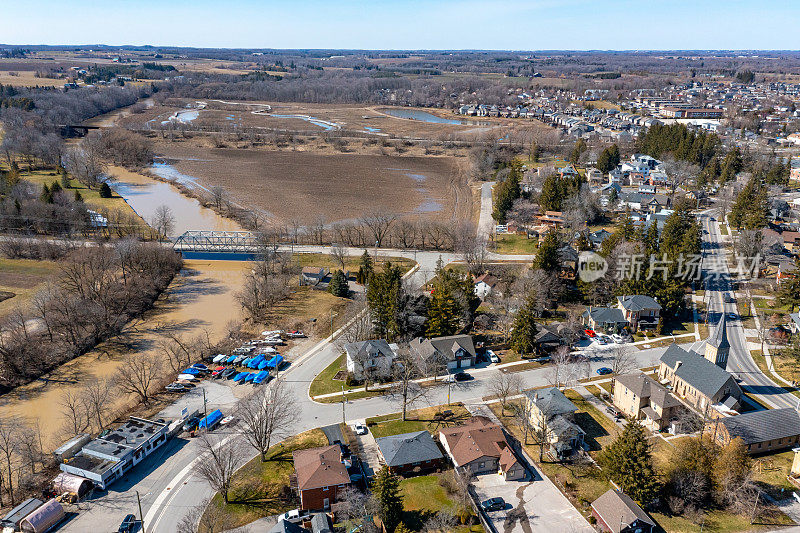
(22, 278)
(257, 486)
(423, 497)
(515, 244)
(416, 420)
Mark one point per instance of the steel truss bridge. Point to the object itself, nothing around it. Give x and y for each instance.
(221, 242)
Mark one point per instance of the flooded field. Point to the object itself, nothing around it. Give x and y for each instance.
(201, 299)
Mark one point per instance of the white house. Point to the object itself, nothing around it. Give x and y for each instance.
(484, 285)
(373, 358)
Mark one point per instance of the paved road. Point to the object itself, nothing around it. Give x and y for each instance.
(485, 221)
(740, 362)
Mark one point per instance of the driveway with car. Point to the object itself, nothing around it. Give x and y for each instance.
(368, 451)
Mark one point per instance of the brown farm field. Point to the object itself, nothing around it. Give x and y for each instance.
(310, 185)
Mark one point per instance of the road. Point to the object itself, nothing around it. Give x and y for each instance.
(740, 362)
(485, 221)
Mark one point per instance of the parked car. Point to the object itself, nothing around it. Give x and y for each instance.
(603, 370)
(732, 316)
(600, 340)
(493, 358)
(493, 504)
(294, 516)
(127, 525)
(176, 387)
(590, 333)
(191, 423)
(227, 420)
(728, 298)
(619, 339)
(462, 376)
(360, 428)
(296, 334)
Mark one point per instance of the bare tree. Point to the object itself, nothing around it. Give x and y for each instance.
(540, 430)
(30, 445)
(356, 508)
(503, 385)
(442, 522)
(623, 362)
(74, 411)
(163, 220)
(138, 375)
(559, 361)
(270, 413)
(360, 328)
(522, 419)
(9, 443)
(97, 397)
(378, 224)
(219, 459)
(405, 390)
(339, 254)
(680, 173)
(208, 517)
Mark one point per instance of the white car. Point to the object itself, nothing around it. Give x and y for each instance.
(360, 428)
(492, 356)
(294, 516)
(227, 420)
(619, 339)
(600, 340)
(272, 333)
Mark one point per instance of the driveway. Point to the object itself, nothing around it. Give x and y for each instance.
(368, 452)
(531, 505)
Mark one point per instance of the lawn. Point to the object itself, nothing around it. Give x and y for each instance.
(90, 196)
(417, 420)
(306, 307)
(424, 496)
(324, 382)
(351, 263)
(258, 488)
(600, 430)
(20, 279)
(515, 244)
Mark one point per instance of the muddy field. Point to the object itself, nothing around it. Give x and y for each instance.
(308, 186)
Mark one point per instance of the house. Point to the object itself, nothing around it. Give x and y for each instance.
(594, 176)
(641, 312)
(320, 523)
(606, 319)
(547, 339)
(596, 238)
(410, 453)
(552, 219)
(479, 447)
(760, 431)
(321, 476)
(553, 412)
(484, 285)
(313, 275)
(569, 171)
(108, 458)
(702, 380)
(455, 351)
(616, 512)
(371, 358)
(794, 323)
(642, 398)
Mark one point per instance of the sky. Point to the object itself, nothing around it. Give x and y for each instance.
(409, 24)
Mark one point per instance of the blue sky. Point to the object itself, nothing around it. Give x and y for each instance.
(408, 24)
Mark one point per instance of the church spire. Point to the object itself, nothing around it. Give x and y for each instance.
(718, 347)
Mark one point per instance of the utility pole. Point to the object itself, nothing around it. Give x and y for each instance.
(344, 420)
(205, 411)
(141, 516)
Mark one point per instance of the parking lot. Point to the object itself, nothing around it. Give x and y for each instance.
(531, 505)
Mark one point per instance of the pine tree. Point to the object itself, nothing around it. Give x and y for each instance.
(338, 285)
(383, 294)
(55, 188)
(105, 190)
(46, 196)
(629, 462)
(386, 489)
(524, 333)
(78, 197)
(547, 254)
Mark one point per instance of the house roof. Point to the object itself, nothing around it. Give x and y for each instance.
(762, 426)
(619, 511)
(643, 386)
(447, 346)
(795, 318)
(406, 448)
(320, 467)
(321, 523)
(638, 302)
(284, 526)
(371, 347)
(696, 370)
(551, 402)
(478, 437)
(605, 315)
(486, 278)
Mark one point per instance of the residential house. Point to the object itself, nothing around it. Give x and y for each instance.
(480, 447)
(761, 431)
(553, 219)
(594, 176)
(794, 323)
(596, 238)
(548, 338)
(642, 398)
(701, 381)
(616, 512)
(568, 171)
(321, 476)
(554, 414)
(605, 319)
(484, 285)
(371, 358)
(641, 312)
(455, 351)
(313, 276)
(410, 453)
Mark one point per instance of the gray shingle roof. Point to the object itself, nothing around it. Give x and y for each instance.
(762, 426)
(617, 508)
(606, 315)
(638, 302)
(407, 448)
(696, 370)
(551, 402)
(371, 347)
(643, 386)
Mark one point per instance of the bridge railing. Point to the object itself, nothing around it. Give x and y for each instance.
(221, 241)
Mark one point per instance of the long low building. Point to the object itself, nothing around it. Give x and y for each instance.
(107, 458)
(760, 431)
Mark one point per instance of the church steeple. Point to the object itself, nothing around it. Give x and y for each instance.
(717, 347)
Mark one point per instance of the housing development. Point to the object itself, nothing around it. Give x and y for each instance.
(309, 290)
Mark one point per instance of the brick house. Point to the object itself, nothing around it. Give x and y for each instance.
(641, 312)
(410, 453)
(479, 447)
(761, 431)
(642, 398)
(321, 476)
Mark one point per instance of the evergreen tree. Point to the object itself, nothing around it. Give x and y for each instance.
(547, 255)
(46, 196)
(384, 293)
(629, 462)
(55, 188)
(78, 197)
(452, 303)
(608, 159)
(524, 333)
(731, 165)
(577, 151)
(105, 190)
(64, 178)
(386, 489)
(506, 192)
(751, 207)
(789, 290)
(338, 285)
(365, 269)
(582, 242)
